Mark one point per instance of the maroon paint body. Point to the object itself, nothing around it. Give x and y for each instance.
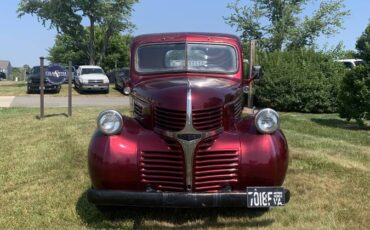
(141, 158)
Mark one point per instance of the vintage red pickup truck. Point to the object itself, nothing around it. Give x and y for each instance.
(186, 144)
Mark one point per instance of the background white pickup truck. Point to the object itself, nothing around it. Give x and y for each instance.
(91, 78)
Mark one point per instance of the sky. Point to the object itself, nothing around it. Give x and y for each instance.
(23, 40)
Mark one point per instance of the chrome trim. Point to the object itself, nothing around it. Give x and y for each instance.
(115, 113)
(267, 110)
(189, 146)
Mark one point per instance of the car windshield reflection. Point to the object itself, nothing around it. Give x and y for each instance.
(190, 57)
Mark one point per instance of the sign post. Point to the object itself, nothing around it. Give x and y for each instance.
(42, 86)
(54, 74)
(252, 51)
(70, 89)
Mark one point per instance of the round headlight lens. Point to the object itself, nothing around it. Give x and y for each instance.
(127, 90)
(110, 122)
(267, 121)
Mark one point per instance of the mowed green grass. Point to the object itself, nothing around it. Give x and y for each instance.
(12, 88)
(44, 178)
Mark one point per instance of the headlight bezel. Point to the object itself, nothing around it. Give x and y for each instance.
(267, 112)
(116, 129)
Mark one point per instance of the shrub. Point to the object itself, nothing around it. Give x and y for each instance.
(354, 97)
(300, 81)
(363, 44)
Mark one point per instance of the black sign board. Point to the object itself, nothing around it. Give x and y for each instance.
(56, 74)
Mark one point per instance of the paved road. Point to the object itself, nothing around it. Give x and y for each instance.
(50, 101)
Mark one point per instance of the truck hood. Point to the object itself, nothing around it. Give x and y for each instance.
(94, 76)
(171, 93)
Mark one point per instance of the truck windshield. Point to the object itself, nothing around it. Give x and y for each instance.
(35, 70)
(357, 63)
(91, 70)
(191, 57)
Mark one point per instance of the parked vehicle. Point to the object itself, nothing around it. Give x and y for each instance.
(73, 74)
(2, 76)
(351, 63)
(122, 78)
(33, 82)
(187, 144)
(91, 78)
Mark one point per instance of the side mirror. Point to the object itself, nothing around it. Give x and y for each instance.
(27, 72)
(256, 75)
(257, 72)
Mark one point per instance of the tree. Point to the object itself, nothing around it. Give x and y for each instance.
(113, 22)
(276, 23)
(66, 49)
(363, 45)
(66, 16)
(354, 96)
(26, 67)
(118, 50)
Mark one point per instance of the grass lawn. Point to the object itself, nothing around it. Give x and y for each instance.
(44, 178)
(12, 88)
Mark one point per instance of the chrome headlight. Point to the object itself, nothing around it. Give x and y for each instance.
(127, 90)
(267, 121)
(110, 122)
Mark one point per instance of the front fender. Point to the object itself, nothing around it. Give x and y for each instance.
(112, 160)
(264, 157)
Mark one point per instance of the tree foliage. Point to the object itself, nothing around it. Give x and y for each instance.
(354, 96)
(66, 49)
(363, 45)
(276, 24)
(67, 16)
(299, 81)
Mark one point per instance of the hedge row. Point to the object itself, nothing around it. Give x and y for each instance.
(354, 96)
(300, 81)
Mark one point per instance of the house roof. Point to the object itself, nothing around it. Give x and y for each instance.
(4, 64)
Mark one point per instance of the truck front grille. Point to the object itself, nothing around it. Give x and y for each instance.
(95, 81)
(140, 106)
(138, 110)
(168, 119)
(174, 120)
(207, 119)
(214, 170)
(164, 170)
(238, 108)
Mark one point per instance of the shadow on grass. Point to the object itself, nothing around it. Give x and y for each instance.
(338, 123)
(46, 92)
(90, 92)
(52, 115)
(162, 218)
(119, 90)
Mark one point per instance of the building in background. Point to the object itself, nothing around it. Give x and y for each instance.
(6, 67)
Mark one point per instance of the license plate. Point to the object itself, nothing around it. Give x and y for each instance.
(263, 197)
